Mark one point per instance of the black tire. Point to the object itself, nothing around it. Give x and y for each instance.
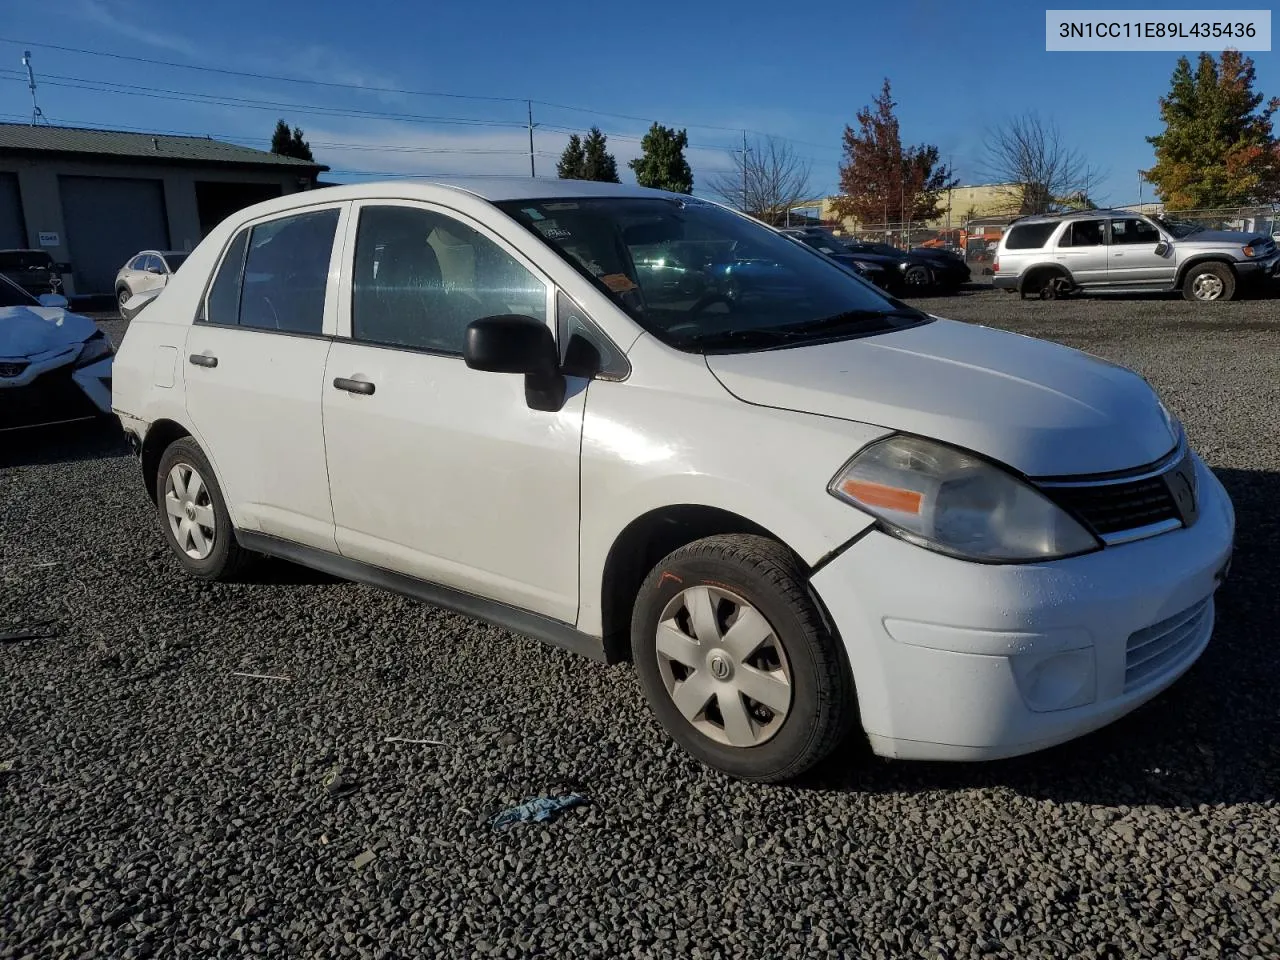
(1196, 278)
(917, 279)
(764, 574)
(226, 559)
(122, 295)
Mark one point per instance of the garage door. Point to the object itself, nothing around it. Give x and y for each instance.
(12, 231)
(107, 221)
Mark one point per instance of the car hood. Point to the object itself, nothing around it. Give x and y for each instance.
(1235, 238)
(1041, 408)
(32, 332)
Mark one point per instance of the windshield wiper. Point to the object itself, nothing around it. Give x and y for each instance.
(851, 318)
(748, 337)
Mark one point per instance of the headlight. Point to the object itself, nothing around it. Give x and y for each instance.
(94, 349)
(947, 500)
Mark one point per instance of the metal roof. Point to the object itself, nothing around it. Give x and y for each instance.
(41, 138)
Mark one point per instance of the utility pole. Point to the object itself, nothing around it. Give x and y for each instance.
(36, 113)
(744, 171)
(532, 170)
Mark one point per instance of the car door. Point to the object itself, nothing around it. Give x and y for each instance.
(255, 360)
(1133, 259)
(152, 274)
(436, 470)
(133, 274)
(1082, 249)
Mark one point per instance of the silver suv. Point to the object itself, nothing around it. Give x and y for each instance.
(1114, 251)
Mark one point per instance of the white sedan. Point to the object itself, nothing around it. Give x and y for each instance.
(55, 366)
(799, 510)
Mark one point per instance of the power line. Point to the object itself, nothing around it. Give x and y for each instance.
(363, 88)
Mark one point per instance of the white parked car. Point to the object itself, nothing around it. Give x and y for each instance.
(797, 511)
(55, 365)
(149, 270)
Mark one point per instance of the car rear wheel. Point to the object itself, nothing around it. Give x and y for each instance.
(194, 514)
(736, 660)
(1209, 282)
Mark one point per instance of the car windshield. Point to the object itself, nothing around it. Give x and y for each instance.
(24, 260)
(1179, 228)
(12, 295)
(702, 278)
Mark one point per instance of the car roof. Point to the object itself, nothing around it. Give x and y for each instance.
(492, 189)
(1076, 215)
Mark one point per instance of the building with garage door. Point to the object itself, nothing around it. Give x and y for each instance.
(94, 198)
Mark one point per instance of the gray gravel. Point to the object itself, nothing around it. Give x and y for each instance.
(152, 804)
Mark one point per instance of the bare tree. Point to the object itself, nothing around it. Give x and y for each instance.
(1041, 171)
(766, 181)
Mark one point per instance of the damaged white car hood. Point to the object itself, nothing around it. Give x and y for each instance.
(31, 333)
(1039, 407)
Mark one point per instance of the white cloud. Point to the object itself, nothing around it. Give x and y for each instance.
(131, 20)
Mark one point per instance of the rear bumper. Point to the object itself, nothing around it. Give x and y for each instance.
(1004, 282)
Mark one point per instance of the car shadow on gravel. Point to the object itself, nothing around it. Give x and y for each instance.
(97, 439)
(1211, 738)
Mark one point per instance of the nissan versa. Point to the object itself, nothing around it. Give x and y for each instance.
(797, 509)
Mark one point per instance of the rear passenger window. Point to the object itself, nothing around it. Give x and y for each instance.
(1082, 233)
(223, 305)
(286, 272)
(1030, 236)
(422, 277)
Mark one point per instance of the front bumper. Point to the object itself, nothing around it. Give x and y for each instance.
(1258, 270)
(55, 391)
(955, 660)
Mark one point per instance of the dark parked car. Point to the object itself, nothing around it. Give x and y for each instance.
(880, 272)
(921, 269)
(33, 270)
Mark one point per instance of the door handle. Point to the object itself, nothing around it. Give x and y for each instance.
(203, 360)
(353, 386)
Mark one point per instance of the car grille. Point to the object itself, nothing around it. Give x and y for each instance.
(12, 369)
(1155, 650)
(1115, 507)
(49, 398)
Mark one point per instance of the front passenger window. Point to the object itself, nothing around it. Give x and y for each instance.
(421, 277)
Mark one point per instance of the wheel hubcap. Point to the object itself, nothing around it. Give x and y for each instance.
(1207, 287)
(190, 511)
(723, 666)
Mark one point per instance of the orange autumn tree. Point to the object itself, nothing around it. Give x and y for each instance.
(880, 179)
(1217, 148)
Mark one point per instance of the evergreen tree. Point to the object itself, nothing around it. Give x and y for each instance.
(661, 163)
(290, 143)
(598, 163)
(1217, 148)
(572, 161)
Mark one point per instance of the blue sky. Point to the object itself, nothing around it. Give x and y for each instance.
(797, 71)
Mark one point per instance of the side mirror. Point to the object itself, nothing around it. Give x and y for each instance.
(510, 343)
(1162, 248)
(54, 300)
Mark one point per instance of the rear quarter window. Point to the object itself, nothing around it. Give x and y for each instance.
(1029, 236)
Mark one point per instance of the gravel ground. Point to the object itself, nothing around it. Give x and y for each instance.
(153, 804)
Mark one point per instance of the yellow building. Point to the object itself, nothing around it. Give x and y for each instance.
(957, 205)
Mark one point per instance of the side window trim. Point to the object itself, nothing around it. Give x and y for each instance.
(343, 329)
(336, 260)
(614, 367)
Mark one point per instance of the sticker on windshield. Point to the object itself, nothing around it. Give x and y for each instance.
(618, 282)
(531, 213)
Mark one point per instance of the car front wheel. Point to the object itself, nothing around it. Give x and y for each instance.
(194, 514)
(122, 296)
(736, 660)
(1209, 282)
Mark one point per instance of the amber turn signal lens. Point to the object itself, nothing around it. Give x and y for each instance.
(884, 497)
